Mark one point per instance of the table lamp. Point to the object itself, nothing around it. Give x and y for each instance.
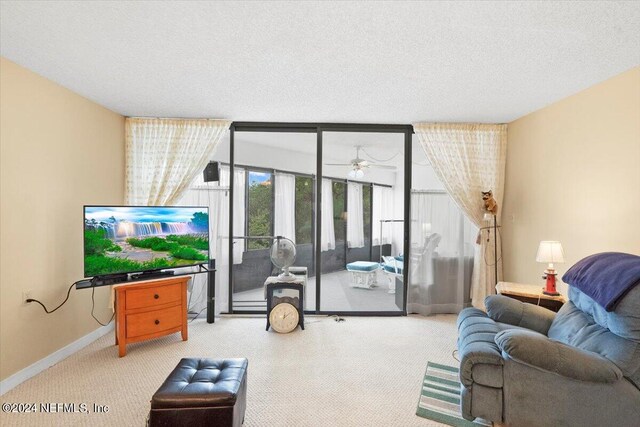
(550, 251)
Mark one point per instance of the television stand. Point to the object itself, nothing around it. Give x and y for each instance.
(146, 275)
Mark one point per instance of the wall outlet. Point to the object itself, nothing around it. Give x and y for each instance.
(26, 294)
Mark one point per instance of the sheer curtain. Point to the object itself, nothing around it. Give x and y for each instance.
(163, 156)
(469, 159)
(215, 195)
(382, 209)
(355, 216)
(441, 255)
(285, 206)
(239, 189)
(328, 238)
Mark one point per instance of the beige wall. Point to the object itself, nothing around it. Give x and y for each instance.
(573, 175)
(58, 152)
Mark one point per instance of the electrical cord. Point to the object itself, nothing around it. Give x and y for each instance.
(335, 317)
(93, 306)
(61, 304)
(198, 314)
(93, 303)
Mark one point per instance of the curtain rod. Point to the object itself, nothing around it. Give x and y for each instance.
(173, 118)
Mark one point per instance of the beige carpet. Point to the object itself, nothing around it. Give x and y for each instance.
(366, 371)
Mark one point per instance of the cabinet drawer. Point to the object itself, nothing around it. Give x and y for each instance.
(150, 297)
(151, 322)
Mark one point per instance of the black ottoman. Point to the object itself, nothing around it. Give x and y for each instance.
(202, 392)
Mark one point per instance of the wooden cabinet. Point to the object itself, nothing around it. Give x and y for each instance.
(150, 309)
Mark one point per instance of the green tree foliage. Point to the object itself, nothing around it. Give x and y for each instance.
(97, 243)
(259, 214)
(366, 207)
(96, 265)
(340, 225)
(175, 249)
(200, 221)
(189, 240)
(304, 209)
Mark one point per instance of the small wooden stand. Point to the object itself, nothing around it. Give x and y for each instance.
(532, 294)
(150, 309)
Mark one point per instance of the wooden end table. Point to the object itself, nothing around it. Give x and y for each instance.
(531, 294)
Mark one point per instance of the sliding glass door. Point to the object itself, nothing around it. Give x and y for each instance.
(343, 209)
(362, 269)
(273, 196)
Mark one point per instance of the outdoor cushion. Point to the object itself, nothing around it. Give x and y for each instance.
(394, 266)
(362, 266)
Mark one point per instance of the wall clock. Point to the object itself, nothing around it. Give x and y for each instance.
(284, 318)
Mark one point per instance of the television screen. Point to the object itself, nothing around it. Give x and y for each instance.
(126, 239)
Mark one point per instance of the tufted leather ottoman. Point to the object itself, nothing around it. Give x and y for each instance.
(202, 392)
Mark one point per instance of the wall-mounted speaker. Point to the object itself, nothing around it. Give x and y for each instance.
(212, 172)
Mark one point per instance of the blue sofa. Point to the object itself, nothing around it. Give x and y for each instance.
(523, 365)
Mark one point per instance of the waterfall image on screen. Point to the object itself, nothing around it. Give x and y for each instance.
(130, 239)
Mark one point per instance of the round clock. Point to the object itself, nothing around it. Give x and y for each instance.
(284, 318)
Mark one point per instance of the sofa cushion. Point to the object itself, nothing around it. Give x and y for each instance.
(579, 329)
(624, 321)
(534, 349)
(508, 310)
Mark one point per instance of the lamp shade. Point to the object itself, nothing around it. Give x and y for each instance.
(550, 251)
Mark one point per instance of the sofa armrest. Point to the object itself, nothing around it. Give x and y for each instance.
(508, 310)
(537, 350)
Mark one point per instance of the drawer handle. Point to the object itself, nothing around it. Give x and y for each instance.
(156, 296)
(157, 322)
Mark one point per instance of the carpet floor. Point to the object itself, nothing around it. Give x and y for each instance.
(365, 371)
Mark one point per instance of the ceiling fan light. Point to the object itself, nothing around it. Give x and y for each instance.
(352, 173)
(359, 173)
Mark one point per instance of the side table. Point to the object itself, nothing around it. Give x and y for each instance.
(531, 294)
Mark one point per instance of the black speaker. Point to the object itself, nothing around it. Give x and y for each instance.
(212, 172)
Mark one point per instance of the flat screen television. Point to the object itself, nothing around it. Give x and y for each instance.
(131, 239)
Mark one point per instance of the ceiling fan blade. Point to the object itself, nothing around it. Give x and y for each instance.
(338, 164)
(374, 165)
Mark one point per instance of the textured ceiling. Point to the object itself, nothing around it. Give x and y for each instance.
(392, 62)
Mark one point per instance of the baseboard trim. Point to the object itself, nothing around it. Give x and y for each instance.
(55, 357)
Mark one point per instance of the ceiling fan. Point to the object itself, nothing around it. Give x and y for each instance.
(359, 165)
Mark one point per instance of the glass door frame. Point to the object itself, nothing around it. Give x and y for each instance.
(319, 129)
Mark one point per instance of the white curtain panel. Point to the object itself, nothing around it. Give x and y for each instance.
(382, 209)
(355, 216)
(442, 250)
(285, 206)
(469, 159)
(215, 197)
(239, 214)
(328, 238)
(163, 156)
